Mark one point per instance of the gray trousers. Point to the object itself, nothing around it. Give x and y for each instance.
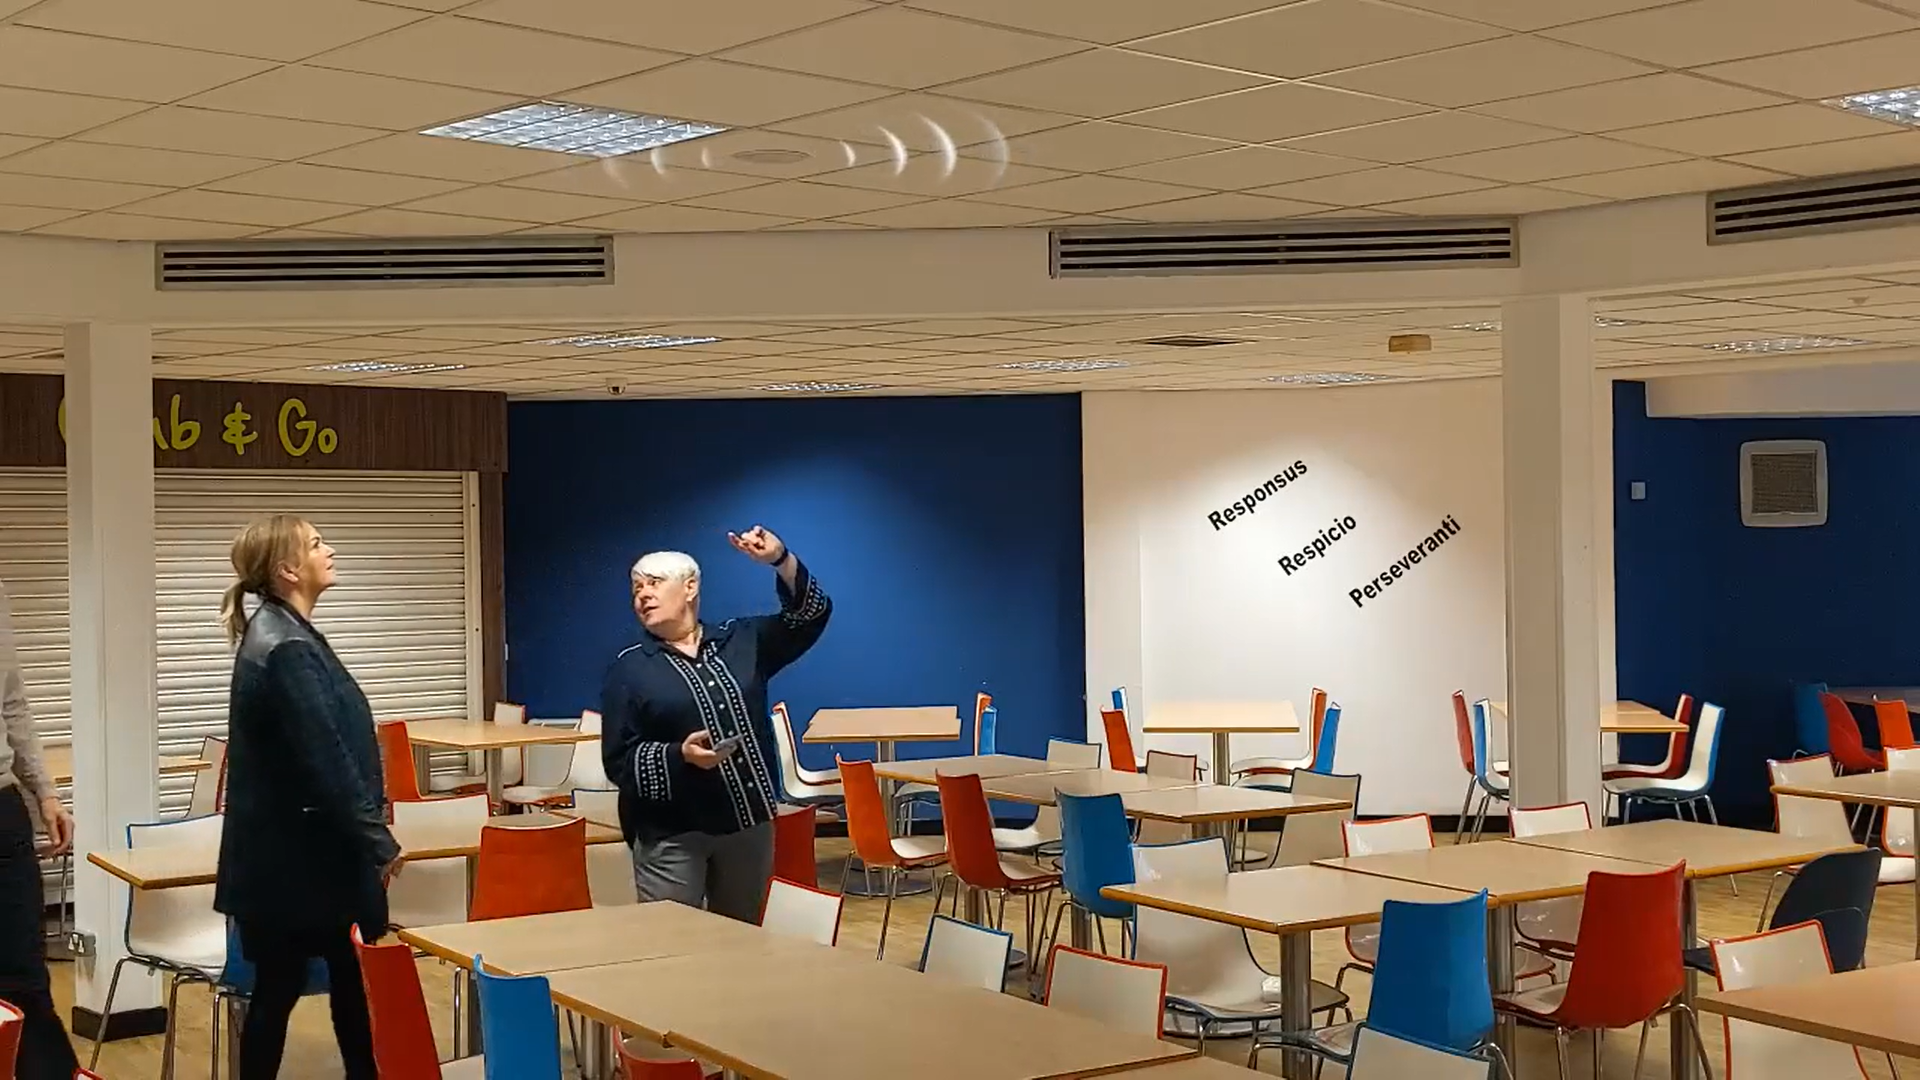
(727, 875)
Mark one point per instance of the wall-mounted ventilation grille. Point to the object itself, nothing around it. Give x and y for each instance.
(1830, 204)
(1783, 483)
(1282, 247)
(354, 264)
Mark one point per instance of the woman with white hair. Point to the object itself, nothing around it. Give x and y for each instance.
(688, 739)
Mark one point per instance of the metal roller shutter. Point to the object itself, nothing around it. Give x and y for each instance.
(404, 617)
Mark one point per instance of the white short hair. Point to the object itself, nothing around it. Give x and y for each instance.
(667, 566)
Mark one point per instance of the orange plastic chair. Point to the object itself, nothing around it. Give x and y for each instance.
(1119, 741)
(793, 857)
(1317, 708)
(873, 840)
(402, 1032)
(11, 1020)
(1674, 765)
(396, 761)
(662, 1068)
(976, 862)
(1845, 742)
(530, 871)
(1896, 724)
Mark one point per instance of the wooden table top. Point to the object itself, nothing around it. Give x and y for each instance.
(1709, 850)
(538, 944)
(59, 763)
(920, 723)
(176, 866)
(1895, 787)
(923, 770)
(1627, 718)
(1039, 788)
(1173, 717)
(1218, 802)
(825, 1014)
(1511, 873)
(1872, 1007)
(1282, 900)
(1867, 695)
(452, 734)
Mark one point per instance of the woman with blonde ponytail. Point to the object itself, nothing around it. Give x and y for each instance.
(306, 853)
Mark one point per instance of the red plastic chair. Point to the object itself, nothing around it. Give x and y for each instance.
(1844, 740)
(793, 856)
(1119, 741)
(1674, 765)
(976, 863)
(1627, 966)
(1896, 725)
(662, 1068)
(530, 871)
(1463, 735)
(11, 1021)
(871, 831)
(402, 1032)
(396, 761)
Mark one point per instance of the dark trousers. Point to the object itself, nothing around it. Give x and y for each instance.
(45, 1052)
(279, 955)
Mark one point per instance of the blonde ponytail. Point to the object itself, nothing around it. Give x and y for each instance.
(262, 548)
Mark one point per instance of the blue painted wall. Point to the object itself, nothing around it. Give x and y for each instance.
(946, 530)
(1734, 615)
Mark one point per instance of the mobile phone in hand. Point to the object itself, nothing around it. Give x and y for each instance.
(726, 747)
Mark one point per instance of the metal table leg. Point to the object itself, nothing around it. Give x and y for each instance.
(423, 768)
(1680, 1061)
(1500, 940)
(595, 1059)
(496, 769)
(1222, 757)
(1296, 1001)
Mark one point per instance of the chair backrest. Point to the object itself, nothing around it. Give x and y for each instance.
(983, 723)
(793, 835)
(786, 748)
(597, 804)
(1414, 832)
(397, 1008)
(207, 782)
(1843, 735)
(1896, 724)
(1320, 835)
(1206, 961)
(434, 891)
(1626, 962)
(969, 827)
(1836, 891)
(1482, 758)
(530, 871)
(967, 954)
(797, 910)
(1379, 1056)
(1167, 765)
(867, 820)
(1430, 977)
(1705, 758)
(1327, 746)
(238, 973)
(1790, 954)
(1675, 763)
(512, 763)
(1127, 994)
(588, 770)
(11, 1022)
(1463, 731)
(1097, 851)
(518, 1025)
(635, 1067)
(1542, 820)
(547, 766)
(1896, 825)
(1119, 741)
(1801, 816)
(396, 761)
(1810, 718)
(161, 922)
(610, 866)
(1072, 754)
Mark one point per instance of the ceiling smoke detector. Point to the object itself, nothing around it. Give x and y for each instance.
(772, 155)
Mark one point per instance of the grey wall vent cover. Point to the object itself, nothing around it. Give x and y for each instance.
(1829, 204)
(1282, 247)
(1783, 483)
(384, 264)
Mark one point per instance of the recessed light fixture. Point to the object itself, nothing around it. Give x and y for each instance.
(1784, 344)
(575, 129)
(1603, 322)
(1901, 106)
(771, 155)
(1064, 365)
(816, 387)
(628, 341)
(384, 367)
(1609, 322)
(1326, 378)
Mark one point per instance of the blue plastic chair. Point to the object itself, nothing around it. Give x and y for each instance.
(1120, 698)
(1323, 750)
(237, 979)
(1491, 786)
(1810, 719)
(989, 728)
(518, 1026)
(1096, 851)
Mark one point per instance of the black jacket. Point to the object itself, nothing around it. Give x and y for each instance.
(306, 832)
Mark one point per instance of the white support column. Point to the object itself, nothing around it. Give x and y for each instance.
(1553, 691)
(110, 559)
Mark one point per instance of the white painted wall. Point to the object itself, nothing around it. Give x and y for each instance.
(1887, 388)
(1177, 609)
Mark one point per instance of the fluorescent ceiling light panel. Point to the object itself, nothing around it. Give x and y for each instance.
(1784, 344)
(628, 341)
(1603, 322)
(1901, 106)
(816, 387)
(384, 367)
(1327, 378)
(1064, 365)
(575, 129)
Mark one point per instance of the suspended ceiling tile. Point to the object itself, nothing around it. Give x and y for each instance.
(1507, 67)
(445, 159)
(343, 97)
(1103, 82)
(800, 199)
(1532, 14)
(298, 180)
(227, 207)
(1243, 167)
(47, 115)
(736, 95)
(934, 176)
(1418, 138)
(1105, 21)
(1900, 149)
(1672, 179)
(126, 164)
(901, 47)
(1761, 129)
(672, 219)
(950, 214)
(1635, 102)
(207, 131)
(1088, 194)
(1302, 39)
(73, 63)
(1272, 113)
(925, 123)
(517, 204)
(14, 144)
(679, 27)
(1392, 184)
(1098, 146)
(392, 222)
(110, 226)
(487, 56)
(22, 218)
(1225, 206)
(1709, 31)
(638, 181)
(271, 31)
(1546, 161)
(1514, 199)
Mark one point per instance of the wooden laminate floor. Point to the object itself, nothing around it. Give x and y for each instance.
(311, 1054)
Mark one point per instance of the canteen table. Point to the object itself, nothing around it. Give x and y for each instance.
(884, 726)
(1222, 720)
(1894, 789)
(1626, 718)
(1871, 1007)
(483, 737)
(59, 763)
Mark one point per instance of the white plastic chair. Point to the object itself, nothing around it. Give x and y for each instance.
(1692, 787)
(1825, 821)
(205, 800)
(802, 786)
(609, 866)
(1212, 977)
(1757, 1052)
(504, 712)
(967, 954)
(797, 911)
(1413, 832)
(1308, 838)
(173, 932)
(1379, 1056)
(553, 771)
(1062, 754)
(1164, 765)
(432, 892)
(1125, 994)
(1550, 924)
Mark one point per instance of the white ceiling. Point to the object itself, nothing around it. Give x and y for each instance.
(966, 356)
(187, 119)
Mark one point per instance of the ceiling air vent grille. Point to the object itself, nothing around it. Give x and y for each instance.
(1783, 483)
(1830, 204)
(1283, 247)
(370, 264)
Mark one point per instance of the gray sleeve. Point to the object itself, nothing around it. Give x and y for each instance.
(28, 767)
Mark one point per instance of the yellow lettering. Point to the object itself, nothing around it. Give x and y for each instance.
(185, 432)
(312, 435)
(63, 419)
(159, 438)
(235, 433)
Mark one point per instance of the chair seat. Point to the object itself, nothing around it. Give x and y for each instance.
(1269, 764)
(920, 850)
(1364, 943)
(532, 795)
(457, 784)
(1620, 770)
(1649, 787)
(1501, 767)
(1539, 1003)
(1323, 997)
(1024, 876)
(916, 790)
(1020, 840)
(1700, 960)
(204, 952)
(1896, 869)
(466, 1068)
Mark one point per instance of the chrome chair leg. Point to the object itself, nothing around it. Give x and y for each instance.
(1466, 804)
(106, 1011)
(886, 913)
(1641, 1057)
(1560, 1046)
(1699, 1044)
